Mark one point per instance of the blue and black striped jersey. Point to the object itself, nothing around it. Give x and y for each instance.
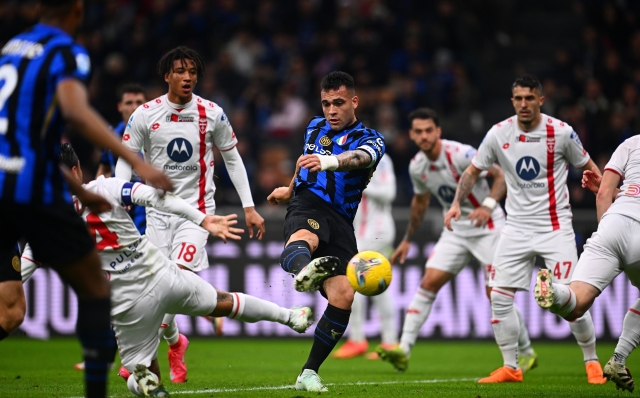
(341, 189)
(32, 64)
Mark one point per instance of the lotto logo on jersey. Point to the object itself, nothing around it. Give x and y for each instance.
(179, 150)
(446, 193)
(527, 168)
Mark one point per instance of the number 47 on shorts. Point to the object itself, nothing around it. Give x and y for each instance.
(562, 270)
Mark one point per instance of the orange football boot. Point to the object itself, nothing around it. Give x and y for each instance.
(503, 375)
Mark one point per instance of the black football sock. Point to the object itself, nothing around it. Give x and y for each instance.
(98, 343)
(3, 334)
(328, 332)
(295, 256)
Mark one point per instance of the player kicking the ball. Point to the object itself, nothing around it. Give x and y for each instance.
(340, 154)
(614, 248)
(535, 151)
(178, 132)
(145, 285)
(435, 170)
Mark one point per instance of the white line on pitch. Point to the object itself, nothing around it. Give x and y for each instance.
(291, 387)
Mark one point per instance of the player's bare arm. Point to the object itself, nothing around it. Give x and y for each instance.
(591, 180)
(419, 206)
(222, 227)
(284, 194)
(75, 108)
(482, 214)
(608, 187)
(346, 161)
(253, 219)
(465, 185)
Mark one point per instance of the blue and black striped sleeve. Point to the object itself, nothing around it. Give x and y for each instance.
(71, 62)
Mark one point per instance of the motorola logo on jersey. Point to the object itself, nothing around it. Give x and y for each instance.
(179, 150)
(527, 168)
(446, 193)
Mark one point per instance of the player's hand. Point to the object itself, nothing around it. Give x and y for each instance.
(453, 213)
(400, 252)
(591, 179)
(280, 195)
(254, 220)
(94, 202)
(221, 227)
(310, 162)
(154, 176)
(480, 216)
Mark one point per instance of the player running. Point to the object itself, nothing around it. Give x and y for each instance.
(43, 72)
(375, 230)
(614, 248)
(177, 132)
(340, 155)
(146, 285)
(535, 151)
(435, 170)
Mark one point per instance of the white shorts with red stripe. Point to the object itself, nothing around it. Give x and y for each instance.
(178, 239)
(452, 252)
(612, 249)
(517, 250)
(177, 292)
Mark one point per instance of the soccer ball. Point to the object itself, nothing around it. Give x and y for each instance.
(369, 273)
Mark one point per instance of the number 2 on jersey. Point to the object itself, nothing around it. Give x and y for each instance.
(557, 272)
(187, 251)
(8, 83)
(97, 227)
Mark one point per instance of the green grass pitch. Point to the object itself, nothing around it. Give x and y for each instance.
(268, 368)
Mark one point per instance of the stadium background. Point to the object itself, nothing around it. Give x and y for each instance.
(264, 61)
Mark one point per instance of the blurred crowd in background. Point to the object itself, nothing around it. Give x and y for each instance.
(265, 58)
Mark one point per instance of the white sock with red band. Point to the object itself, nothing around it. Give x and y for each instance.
(169, 329)
(582, 329)
(564, 300)
(506, 326)
(524, 342)
(251, 309)
(416, 316)
(630, 337)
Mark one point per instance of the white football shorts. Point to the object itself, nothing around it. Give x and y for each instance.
(178, 239)
(177, 292)
(612, 249)
(517, 250)
(453, 252)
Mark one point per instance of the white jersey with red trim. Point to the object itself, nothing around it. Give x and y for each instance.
(179, 140)
(625, 162)
(373, 221)
(440, 178)
(536, 198)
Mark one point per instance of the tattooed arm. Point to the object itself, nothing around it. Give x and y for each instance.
(465, 185)
(419, 205)
(346, 161)
(481, 215)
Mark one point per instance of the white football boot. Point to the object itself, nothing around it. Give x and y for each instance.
(300, 319)
(619, 374)
(543, 292)
(311, 276)
(148, 382)
(310, 381)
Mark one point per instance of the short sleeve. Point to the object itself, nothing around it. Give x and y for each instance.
(135, 131)
(574, 151)
(223, 136)
(374, 145)
(71, 62)
(418, 179)
(486, 154)
(619, 159)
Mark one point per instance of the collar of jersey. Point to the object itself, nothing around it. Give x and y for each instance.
(179, 107)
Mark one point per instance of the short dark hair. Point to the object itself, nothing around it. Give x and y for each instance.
(337, 79)
(57, 6)
(424, 113)
(68, 156)
(528, 80)
(131, 88)
(182, 53)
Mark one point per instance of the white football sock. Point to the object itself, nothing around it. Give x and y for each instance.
(524, 342)
(417, 314)
(582, 329)
(252, 309)
(169, 329)
(564, 300)
(384, 303)
(629, 339)
(356, 332)
(506, 327)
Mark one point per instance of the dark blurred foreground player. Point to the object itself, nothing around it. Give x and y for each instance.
(42, 72)
(340, 155)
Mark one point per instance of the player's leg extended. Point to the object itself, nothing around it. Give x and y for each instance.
(356, 343)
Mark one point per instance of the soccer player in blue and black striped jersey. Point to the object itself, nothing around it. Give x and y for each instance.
(339, 157)
(42, 85)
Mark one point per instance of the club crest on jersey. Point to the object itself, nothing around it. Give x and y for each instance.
(342, 140)
(179, 118)
(551, 144)
(325, 141)
(313, 223)
(179, 150)
(527, 168)
(526, 138)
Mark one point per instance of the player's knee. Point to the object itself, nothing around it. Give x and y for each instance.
(501, 301)
(430, 283)
(341, 296)
(13, 318)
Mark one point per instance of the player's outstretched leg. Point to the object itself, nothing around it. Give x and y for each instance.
(527, 357)
(251, 309)
(144, 383)
(311, 277)
(356, 343)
